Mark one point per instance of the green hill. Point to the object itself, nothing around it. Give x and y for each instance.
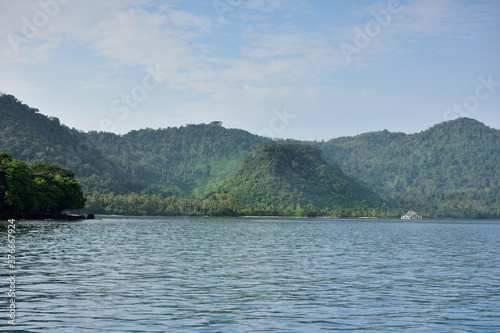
(184, 161)
(451, 169)
(35, 138)
(290, 176)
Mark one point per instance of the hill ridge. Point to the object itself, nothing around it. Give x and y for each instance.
(293, 175)
(450, 169)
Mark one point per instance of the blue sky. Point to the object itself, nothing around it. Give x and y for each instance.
(310, 70)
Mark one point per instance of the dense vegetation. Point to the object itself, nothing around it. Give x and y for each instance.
(178, 161)
(275, 179)
(44, 188)
(450, 170)
(35, 138)
(293, 179)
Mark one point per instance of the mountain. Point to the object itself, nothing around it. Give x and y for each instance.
(180, 161)
(35, 138)
(288, 176)
(449, 170)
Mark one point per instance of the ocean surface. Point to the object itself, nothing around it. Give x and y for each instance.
(163, 274)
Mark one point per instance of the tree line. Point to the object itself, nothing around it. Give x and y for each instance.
(449, 170)
(142, 204)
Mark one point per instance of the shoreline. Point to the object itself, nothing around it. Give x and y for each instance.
(45, 217)
(91, 216)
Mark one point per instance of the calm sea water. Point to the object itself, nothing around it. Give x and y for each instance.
(254, 275)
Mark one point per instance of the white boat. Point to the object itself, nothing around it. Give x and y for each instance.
(411, 215)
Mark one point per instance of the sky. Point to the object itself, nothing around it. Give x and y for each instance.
(308, 70)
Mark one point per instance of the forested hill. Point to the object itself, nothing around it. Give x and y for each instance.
(179, 161)
(35, 138)
(451, 169)
(294, 177)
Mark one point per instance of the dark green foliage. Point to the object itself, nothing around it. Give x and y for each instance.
(451, 169)
(44, 188)
(35, 138)
(293, 178)
(134, 204)
(61, 191)
(182, 161)
(18, 190)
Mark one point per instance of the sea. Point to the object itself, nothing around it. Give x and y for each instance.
(185, 274)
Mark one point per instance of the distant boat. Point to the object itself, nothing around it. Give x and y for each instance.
(411, 215)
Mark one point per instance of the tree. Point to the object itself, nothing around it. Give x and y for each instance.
(5, 159)
(59, 186)
(44, 188)
(18, 186)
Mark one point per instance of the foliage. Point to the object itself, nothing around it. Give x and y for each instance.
(293, 178)
(35, 138)
(44, 188)
(136, 204)
(449, 170)
(181, 161)
(18, 188)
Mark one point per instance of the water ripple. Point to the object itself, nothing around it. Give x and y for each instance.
(257, 275)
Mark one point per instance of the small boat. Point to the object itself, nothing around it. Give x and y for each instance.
(411, 215)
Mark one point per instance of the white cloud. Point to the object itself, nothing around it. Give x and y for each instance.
(254, 10)
(136, 37)
(269, 6)
(417, 23)
(103, 48)
(182, 19)
(440, 22)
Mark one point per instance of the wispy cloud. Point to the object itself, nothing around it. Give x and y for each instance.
(424, 21)
(264, 54)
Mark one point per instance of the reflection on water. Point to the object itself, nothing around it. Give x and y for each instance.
(256, 275)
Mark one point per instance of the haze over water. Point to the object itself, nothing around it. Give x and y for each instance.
(163, 274)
